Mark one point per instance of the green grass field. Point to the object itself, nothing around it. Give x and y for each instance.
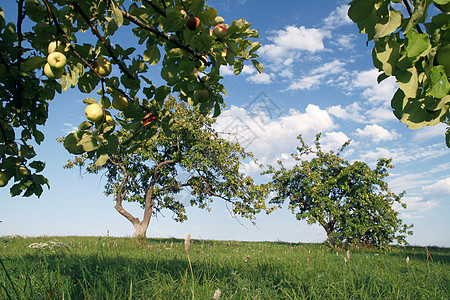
(127, 268)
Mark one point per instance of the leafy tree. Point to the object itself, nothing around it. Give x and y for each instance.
(191, 157)
(174, 36)
(351, 202)
(414, 47)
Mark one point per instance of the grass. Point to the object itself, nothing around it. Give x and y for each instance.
(127, 268)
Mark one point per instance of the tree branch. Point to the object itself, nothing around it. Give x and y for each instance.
(160, 34)
(107, 45)
(410, 12)
(156, 8)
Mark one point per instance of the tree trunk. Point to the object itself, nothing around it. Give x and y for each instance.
(140, 229)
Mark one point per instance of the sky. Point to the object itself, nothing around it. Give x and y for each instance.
(318, 77)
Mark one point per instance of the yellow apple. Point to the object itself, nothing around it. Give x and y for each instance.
(94, 112)
(53, 73)
(56, 60)
(103, 66)
(56, 46)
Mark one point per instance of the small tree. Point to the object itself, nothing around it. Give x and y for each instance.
(188, 155)
(351, 202)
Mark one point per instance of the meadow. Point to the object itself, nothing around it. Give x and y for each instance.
(128, 268)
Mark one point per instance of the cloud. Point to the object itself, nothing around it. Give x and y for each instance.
(372, 90)
(263, 78)
(440, 188)
(319, 76)
(69, 128)
(292, 39)
(272, 139)
(228, 70)
(430, 132)
(338, 17)
(376, 133)
(344, 42)
(416, 206)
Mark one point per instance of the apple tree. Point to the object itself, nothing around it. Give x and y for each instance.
(350, 201)
(412, 43)
(106, 49)
(192, 160)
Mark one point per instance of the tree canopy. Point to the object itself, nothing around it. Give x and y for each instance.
(351, 201)
(412, 43)
(54, 45)
(189, 161)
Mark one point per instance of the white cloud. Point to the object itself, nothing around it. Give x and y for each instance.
(269, 138)
(338, 17)
(228, 70)
(352, 112)
(372, 91)
(377, 133)
(307, 83)
(319, 76)
(427, 133)
(415, 206)
(69, 128)
(262, 78)
(293, 38)
(440, 188)
(344, 42)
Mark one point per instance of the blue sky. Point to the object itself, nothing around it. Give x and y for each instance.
(318, 77)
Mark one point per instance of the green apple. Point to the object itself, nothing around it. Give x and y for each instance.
(201, 95)
(193, 23)
(4, 178)
(220, 31)
(56, 46)
(120, 102)
(53, 73)
(56, 60)
(175, 52)
(94, 112)
(443, 58)
(103, 66)
(23, 171)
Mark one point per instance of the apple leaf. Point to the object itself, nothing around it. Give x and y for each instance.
(258, 66)
(117, 14)
(71, 143)
(33, 63)
(89, 101)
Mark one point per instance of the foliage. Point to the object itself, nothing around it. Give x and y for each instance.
(121, 268)
(351, 202)
(190, 156)
(408, 48)
(156, 37)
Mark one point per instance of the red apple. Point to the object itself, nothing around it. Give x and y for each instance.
(220, 31)
(193, 23)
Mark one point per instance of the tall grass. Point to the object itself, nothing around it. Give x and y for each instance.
(126, 268)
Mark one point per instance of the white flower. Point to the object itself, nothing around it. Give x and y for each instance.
(217, 294)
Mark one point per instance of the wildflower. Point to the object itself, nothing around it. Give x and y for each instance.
(348, 254)
(187, 242)
(345, 259)
(217, 294)
(407, 260)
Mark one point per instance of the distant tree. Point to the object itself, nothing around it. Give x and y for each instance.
(352, 202)
(412, 43)
(187, 155)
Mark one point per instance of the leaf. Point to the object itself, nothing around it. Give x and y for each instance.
(258, 66)
(152, 55)
(37, 165)
(71, 143)
(101, 160)
(394, 22)
(117, 14)
(385, 54)
(88, 142)
(89, 101)
(440, 86)
(417, 44)
(33, 63)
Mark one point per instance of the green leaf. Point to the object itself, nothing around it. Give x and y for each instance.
(88, 142)
(37, 165)
(417, 44)
(71, 143)
(89, 101)
(152, 55)
(101, 160)
(117, 14)
(440, 86)
(33, 63)
(258, 66)
(395, 20)
(386, 53)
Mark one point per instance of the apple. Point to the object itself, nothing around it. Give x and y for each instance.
(120, 102)
(56, 60)
(443, 58)
(193, 23)
(53, 73)
(220, 31)
(193, 75)
(175, 52)
(23, 171)
(102, 65)
(201, 95)
(4, 178)
(94, 112)
(56, 46)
